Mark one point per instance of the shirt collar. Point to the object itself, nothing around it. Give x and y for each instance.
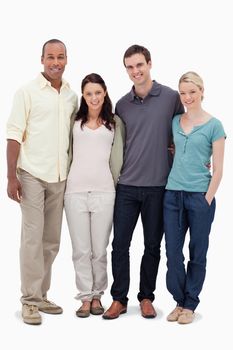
(155, 91)
(44, 82)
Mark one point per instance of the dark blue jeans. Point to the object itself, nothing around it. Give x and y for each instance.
(131, 201)
(183, 211)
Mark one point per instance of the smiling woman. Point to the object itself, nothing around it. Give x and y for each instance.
(98, 138)
(94, 95)
(189, 201)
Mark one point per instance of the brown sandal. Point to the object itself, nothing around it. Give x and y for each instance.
(97, 310)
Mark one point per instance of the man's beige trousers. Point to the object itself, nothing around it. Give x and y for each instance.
(42, 207)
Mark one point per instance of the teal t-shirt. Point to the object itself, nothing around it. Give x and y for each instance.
(193, 152)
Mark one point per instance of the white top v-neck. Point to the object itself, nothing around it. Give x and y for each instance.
(90, 169)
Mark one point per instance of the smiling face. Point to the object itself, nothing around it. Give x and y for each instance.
(138, 69)
(54, 61)
(94, 95)
(191, 95)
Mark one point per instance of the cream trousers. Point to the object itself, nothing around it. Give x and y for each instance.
(89, 217)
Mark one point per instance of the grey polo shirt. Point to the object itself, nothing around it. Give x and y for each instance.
(147, 161)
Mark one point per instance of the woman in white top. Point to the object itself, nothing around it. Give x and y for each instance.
(98, 141)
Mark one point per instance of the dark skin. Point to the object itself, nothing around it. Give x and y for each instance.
(14, 189)
(54, 61)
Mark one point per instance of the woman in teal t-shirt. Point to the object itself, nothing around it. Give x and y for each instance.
(189, 201)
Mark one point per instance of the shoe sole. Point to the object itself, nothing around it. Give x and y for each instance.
(97, 312)
(32, 322)
(82, 315)
(149, 316)
(51, 312)
(185, 322)
(113, 318)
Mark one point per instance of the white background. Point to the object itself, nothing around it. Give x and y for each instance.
(181, 35)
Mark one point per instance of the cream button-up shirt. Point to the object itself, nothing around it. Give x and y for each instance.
(40, 121)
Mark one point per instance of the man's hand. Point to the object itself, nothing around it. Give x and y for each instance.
(171, 148)
(14, 189)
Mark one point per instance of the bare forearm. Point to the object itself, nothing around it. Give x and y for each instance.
(218, 155)
(13, 148)
(14, 189)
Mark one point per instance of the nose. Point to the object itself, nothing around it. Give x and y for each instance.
(55, 61)
(188, 97)
(135, 70)
(94, 98)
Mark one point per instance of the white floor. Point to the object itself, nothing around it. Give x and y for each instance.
(212, 325)
(181, 35)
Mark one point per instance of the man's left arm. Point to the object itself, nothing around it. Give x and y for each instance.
(179, 108)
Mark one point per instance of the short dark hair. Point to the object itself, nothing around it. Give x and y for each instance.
(52, 41)
(132, 50)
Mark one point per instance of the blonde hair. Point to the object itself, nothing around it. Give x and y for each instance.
(192, 77)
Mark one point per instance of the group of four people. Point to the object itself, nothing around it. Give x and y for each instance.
(117, 167)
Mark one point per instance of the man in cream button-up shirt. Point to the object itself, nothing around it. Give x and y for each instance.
(38, 133)
(40, 122)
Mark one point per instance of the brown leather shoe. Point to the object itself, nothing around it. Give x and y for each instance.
(147, 309)
(115, 310)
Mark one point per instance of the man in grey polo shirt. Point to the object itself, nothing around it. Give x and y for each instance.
(147, 112)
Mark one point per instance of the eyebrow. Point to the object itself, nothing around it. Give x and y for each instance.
(138, 64)
(52, 54)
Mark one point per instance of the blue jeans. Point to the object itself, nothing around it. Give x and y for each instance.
(130, 202)
(183, 211)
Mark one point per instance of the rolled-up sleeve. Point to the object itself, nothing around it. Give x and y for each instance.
(17, 122)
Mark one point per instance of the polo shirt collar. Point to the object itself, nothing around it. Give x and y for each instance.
(155, 91)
